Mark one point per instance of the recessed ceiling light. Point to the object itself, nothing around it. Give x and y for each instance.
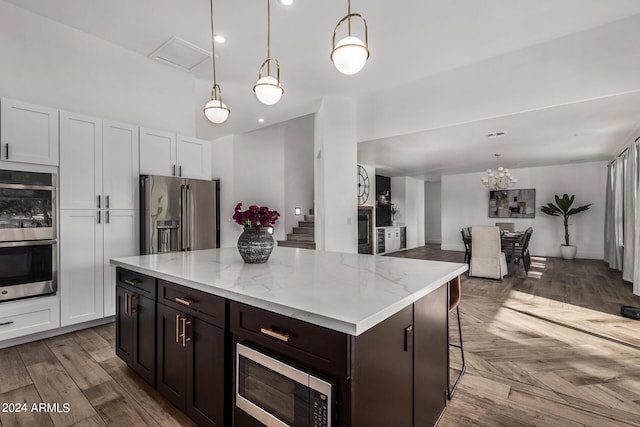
(219, 39)
(286, 2)
(261, 120)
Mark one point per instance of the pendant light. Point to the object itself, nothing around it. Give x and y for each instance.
(268, 88)
(351, 53)
(215, 110)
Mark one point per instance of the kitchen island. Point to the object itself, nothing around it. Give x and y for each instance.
(373, 327)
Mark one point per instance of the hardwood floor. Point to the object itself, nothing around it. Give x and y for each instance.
(549, 349)
(80, 369)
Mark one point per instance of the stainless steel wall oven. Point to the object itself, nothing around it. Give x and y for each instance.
(28, 249)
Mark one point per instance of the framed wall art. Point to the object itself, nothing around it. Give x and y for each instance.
(512, 203)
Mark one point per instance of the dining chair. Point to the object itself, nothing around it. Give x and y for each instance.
(455, 293)
(466, 239)
(487, 258)
(525, 256)
(506, 226)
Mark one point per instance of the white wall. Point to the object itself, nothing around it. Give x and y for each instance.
(272, 166)
(432, 212)
(336, 182)
(222, 168)
(578, 67)
(465, 202)
(408, 195)
(298, 161)
(47, 63)
(258, 179)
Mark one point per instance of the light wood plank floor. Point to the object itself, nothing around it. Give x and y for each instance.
(549, 349)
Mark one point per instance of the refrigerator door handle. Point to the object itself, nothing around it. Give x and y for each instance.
(183, 217)
(188, 217)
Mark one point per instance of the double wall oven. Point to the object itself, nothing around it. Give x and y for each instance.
(28, 252)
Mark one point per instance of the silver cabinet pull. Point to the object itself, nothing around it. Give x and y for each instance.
(106, 217)
(99, 202)
(7, 152)
(173, 170)
(180, 170)
(99, 217)
(106, 202)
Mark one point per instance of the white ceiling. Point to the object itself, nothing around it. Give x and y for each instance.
(409, 40)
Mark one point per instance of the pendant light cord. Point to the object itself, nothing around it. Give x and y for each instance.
(349, 15)
(268, 37)
(213, 47)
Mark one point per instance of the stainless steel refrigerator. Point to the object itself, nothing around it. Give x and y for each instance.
(178, 214)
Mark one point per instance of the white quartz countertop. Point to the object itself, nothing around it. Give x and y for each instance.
(349, 293)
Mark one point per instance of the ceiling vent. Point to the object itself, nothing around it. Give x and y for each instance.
(180, 54)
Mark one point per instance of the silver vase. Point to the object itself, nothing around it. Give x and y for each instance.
(255, 246)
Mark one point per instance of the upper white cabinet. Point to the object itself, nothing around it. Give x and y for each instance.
(166, 154)
(80, 161)
(28, 133)
(194, 158)
(157, 152)
(120, 164)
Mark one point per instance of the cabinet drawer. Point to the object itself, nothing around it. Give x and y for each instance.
(208, 307)
(286, 334)
(19, 318)
(145, 285)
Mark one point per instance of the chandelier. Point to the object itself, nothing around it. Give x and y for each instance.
(499, 179)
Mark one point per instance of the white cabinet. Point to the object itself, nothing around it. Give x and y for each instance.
(80, 161)
(120, 239)
(81, 266)
(157, 152)
(28, 133)
(194, 158)
(28, 316)
(98, 216)
(392, 239)
(166, 154)
(120, 165)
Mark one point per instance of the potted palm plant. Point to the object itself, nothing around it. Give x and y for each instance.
(563, 208)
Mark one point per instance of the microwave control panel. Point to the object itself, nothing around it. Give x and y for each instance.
(319, 414)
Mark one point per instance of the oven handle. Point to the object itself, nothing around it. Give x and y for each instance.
(27, 187)
(27, 243)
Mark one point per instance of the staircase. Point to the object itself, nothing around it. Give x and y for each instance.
(302, 236)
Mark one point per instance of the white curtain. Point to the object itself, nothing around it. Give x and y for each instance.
(614, 232)
(622, 216)
(635, 158)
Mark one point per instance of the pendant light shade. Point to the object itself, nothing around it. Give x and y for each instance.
(350, 53)
(215, 110)
(268, 89)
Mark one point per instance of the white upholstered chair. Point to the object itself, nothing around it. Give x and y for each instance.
(487, 258)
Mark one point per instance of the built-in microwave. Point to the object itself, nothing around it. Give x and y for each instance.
(278, 394)
(27, 269)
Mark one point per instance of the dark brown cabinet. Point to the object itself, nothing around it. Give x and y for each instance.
(191, 354)
(136, 323)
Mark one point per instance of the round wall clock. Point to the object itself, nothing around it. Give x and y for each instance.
(363, 185)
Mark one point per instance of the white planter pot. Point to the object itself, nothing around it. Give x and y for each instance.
(568, 252)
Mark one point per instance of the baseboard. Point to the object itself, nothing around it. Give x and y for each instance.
(55, 332)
